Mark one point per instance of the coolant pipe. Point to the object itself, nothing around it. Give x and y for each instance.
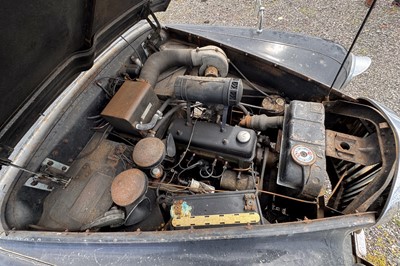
(244, 110)
(157, 116)
(167, 115)
(261, 122)
(203, 57)
(164, 105)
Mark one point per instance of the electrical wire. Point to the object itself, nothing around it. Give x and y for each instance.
(187, 147)
(121, 137)
(251, 84)
(93, 117)
(133, 48)
(100, 85)
(261, 191)
(97, 144)
(187, 169)
(100, 127)
(104, 89)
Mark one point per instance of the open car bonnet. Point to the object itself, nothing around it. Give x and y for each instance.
(46, 44)
(183, 143)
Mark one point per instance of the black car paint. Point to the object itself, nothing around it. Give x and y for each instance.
(305, 56)
(323, 242)
(319, 242)
(45, 45)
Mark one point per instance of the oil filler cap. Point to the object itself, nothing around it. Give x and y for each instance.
(303, 155)
(243, 136)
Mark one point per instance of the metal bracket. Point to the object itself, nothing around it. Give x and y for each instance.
(51, 169)
(250, 202)
(364, 151)
(54, 166)
(34, 183)
(154, 39)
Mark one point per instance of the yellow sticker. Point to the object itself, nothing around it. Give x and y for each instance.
(217, 219)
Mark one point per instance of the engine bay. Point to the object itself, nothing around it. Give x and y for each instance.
(184, 140)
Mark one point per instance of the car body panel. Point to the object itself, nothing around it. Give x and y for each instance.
(392, 206)
(321, 242)
(313, 58)
(46, 45)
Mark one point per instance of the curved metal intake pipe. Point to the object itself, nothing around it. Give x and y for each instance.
(202, 57)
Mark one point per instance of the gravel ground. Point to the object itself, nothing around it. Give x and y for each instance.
(334, 20)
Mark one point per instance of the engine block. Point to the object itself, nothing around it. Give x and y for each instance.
(234, 143)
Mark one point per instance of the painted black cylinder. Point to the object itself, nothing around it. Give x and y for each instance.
(209, 90)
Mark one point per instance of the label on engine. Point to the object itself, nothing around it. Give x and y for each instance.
(303, 155)
(146, 111)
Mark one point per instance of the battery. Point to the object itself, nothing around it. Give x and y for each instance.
(216, 210)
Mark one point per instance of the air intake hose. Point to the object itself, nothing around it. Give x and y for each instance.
(225, 91)
(203, 57)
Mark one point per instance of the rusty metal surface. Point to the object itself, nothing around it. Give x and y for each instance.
(387, 148)
(245, 121)
(128, 186)
(134, 102)
(274, 104)
(237, 181)
(180, 208)
(211, 72)
(149, 152)
(88, 195)
(302, 163)
(350, 148)
(250, 202)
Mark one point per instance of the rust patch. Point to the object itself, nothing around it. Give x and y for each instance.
(364, 151)
(245, 122)
(274, 104)
(180, 209)
(128, 186)
(250, 202)
(211, 71)
(149, 152)
(128, 106)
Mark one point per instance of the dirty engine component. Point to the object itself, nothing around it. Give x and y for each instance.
(226, 209)
(134, 103)
(225, 91)
(149, 152)
(88, 195)
(210, 141)
(302, 165)
(232, 180)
